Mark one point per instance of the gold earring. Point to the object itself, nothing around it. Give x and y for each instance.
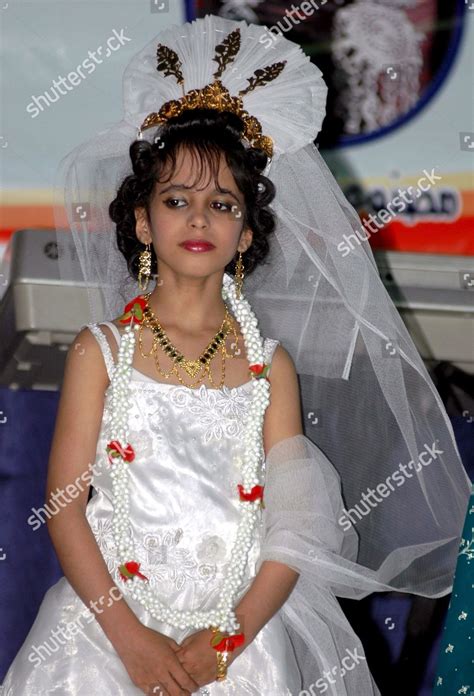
(239, 275)
(144, 269)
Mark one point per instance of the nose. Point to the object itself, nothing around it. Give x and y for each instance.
(198, 216)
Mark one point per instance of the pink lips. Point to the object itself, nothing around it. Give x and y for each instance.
(197, 245)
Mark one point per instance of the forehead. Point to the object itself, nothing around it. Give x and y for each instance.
(192, 170)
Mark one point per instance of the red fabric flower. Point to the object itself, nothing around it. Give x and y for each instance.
(227, 643)
(133, 311)
(114, 449)
(260, 370)
(255, 493)
(130, 569)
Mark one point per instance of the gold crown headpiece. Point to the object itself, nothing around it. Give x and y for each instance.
(215, 95)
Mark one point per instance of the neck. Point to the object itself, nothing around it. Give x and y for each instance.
(191, 305)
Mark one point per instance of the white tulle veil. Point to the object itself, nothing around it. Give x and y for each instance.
(373, 496)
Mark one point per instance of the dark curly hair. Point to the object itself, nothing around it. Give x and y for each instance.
(206, 133)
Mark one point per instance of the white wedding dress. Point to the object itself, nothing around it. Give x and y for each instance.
(184, 515)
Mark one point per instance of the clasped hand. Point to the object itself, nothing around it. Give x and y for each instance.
(160, 666)
(198, 657)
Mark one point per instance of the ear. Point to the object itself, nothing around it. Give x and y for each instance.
(245, 241)
(142, 226)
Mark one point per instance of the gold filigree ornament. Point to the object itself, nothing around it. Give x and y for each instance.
(215, 95)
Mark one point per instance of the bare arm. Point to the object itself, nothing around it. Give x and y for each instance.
(149, 657)
(268, 592)
(274, 581)
(72, 453)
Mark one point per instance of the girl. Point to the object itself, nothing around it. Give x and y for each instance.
(183, 505)
(217, 539)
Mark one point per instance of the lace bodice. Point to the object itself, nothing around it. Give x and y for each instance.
(183, 501)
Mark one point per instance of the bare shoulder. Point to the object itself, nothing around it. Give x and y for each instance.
(283, 365)
(283, 414)
(84, 361)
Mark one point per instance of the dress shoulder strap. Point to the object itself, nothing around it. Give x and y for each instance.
(268, 350)
(114, 330)
(104, 344)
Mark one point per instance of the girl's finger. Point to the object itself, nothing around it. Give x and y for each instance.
(173, 644)
(183, 679)
(170, 688)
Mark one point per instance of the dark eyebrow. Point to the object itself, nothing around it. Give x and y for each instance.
(182, 186)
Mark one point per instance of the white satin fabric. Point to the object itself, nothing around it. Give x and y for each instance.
(184, 514)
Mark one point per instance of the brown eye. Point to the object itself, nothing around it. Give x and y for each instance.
(169, 200)
(227, 206)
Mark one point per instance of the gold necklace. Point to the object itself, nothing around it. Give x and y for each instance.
(192, 367)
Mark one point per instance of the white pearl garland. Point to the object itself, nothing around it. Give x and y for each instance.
(223, 616)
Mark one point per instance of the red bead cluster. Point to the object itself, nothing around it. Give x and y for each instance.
(130, 569)
(114, 450)
(256, 493)
(133, 311)
(260, 370)
(224, 643)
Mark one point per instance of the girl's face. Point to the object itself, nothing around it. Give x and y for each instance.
(178, 214)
